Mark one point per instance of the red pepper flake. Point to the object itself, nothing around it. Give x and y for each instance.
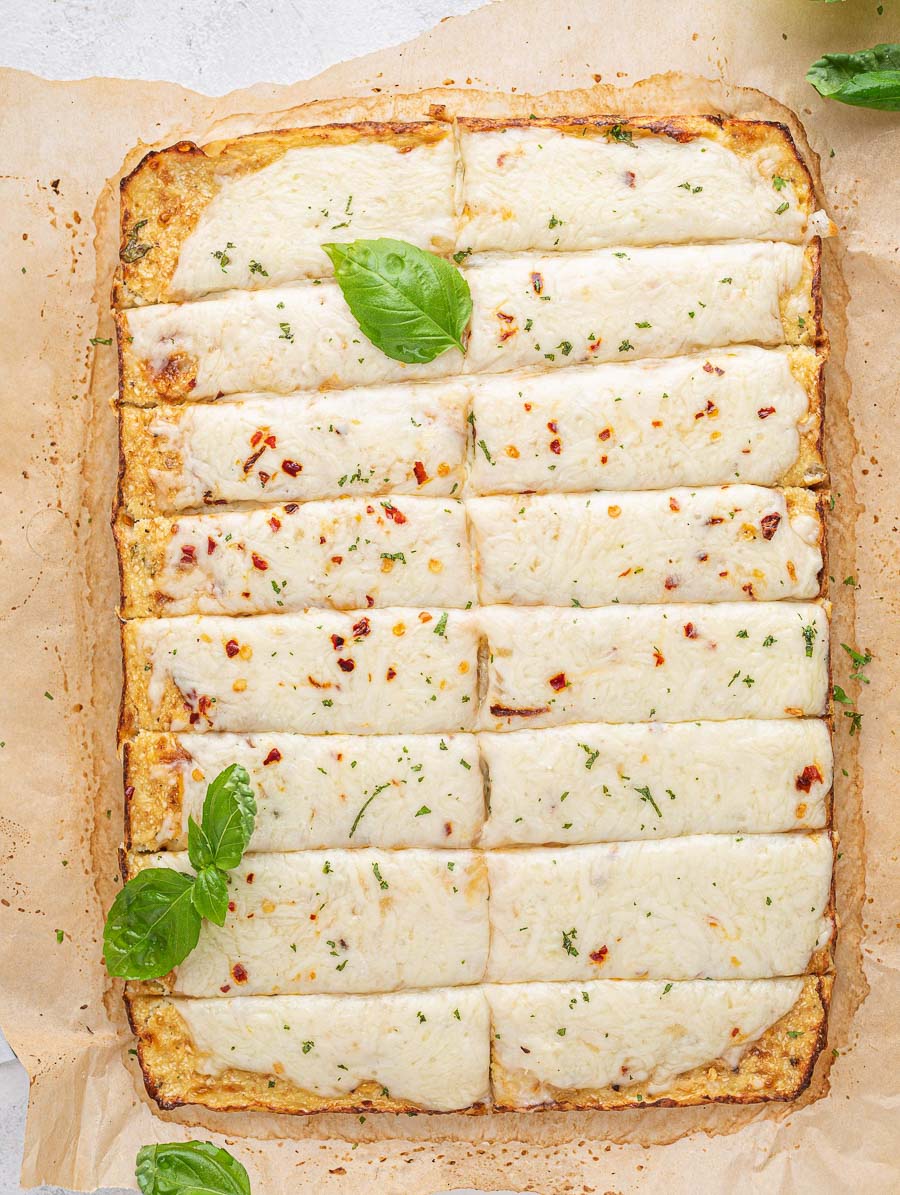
(346, 665)
(255, 438)
(391, 673)
(188, 554)
(421, 475)
(251, 876)
(710, 409)
(690, 631)
(448, 829)
(702, 556)
(511, 328)
(671, 582)
(203, 704)
(362, 628)
(291, 508)
(232, 648)
(603, 460)
(537, 282)
(765, 412)
(735, 1031)
(259, 563)
(321, 539)
(337, 642)
(226, 987)
(673, 505)
(606, 433)
(275, 523)
(239, 973)
(555, 447)
(263, 478)
(270, 441)
(748, 589)
(714, 520)
(393, 513)
(292, 468)
(552, 426)
(710, 368)
(231, 906)
(658, 657)
(337, 560)
(629, 178)
(527, 406)
(253, 458)
(507, 711)
(274, 756)
(370, 601)
(804, 781)
(558, 682)
(210, 545)
(599, 956)
(769, 524)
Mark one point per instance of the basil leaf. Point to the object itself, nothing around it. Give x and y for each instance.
(229, 811)
(867, 79)
(190, 1168)
(152, 925)
(210, 895)
(411, 304)
(200, 850)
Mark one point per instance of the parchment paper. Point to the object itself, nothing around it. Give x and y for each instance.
(62, 147)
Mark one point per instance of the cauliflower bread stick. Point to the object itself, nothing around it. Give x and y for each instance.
(523, 640)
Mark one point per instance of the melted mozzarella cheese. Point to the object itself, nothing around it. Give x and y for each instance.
(683, 908)
(279, 216)
(541, 188)
(733, 543)
(550, 1037)
(340, 921)
(638, 663)
(349, 554)
(319, 672)
(588, 783)
(431, 1048)
(563, 309)
(528, 310)
(734, 414)
(376, 441)
(320, 790)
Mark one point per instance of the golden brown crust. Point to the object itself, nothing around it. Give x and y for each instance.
(163, 198)
(154, 792)
(778, 1066)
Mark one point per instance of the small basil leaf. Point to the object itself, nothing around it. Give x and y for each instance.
(200, 851)
(411, 304)
(190, 1168)
(152, 925)
(134, 248)
(210, 895)
(866, 79)
(229, 812)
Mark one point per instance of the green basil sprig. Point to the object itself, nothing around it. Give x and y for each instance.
(867, 79)
(411, 304)
(190, 1168)
(154, 922)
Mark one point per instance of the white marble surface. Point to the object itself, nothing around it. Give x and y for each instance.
(276, 41)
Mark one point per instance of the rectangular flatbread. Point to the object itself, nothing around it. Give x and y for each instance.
(594, 783)
(734, 543)
(313, 791)
(317, 1053)
(720, 661)
(529, 310)
(703, 907)
(317, 672)
(338, 921)
(346, 554)
(636, 1045)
